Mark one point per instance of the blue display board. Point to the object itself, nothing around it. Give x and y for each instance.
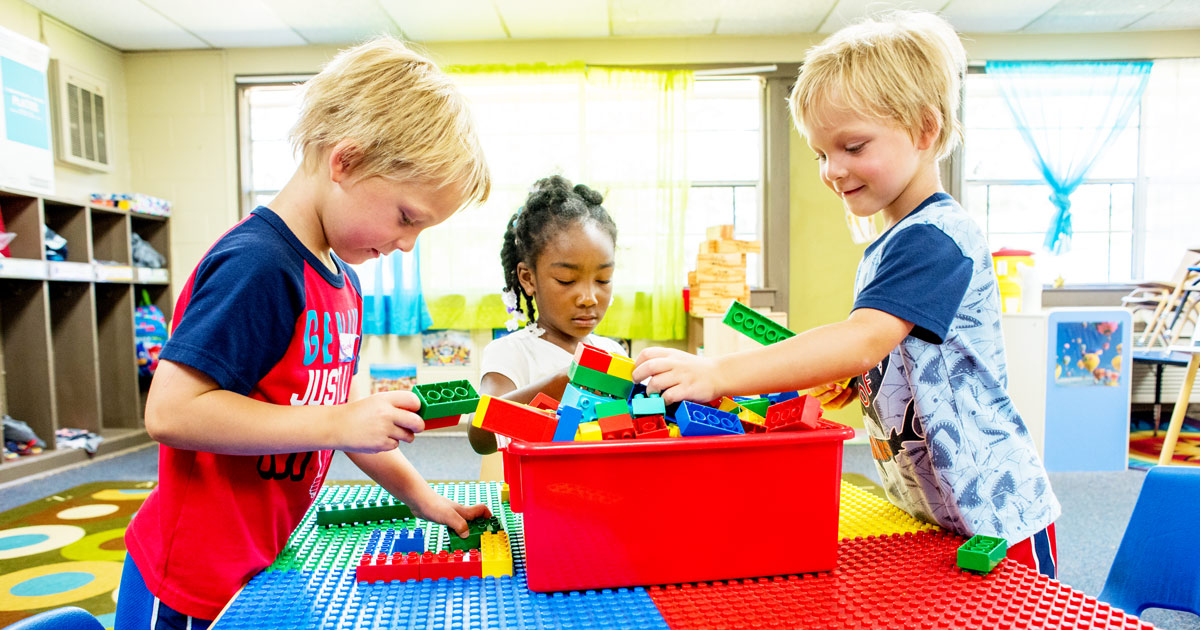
(1088, 378)
(26, 158)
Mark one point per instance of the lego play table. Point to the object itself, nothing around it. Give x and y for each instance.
(892, 572)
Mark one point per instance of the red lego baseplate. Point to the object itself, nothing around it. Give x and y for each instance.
(894, 581)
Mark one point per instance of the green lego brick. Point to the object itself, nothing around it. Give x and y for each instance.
(755, 325)
(451, 398)
(385, 509)
(608, 384)
(478, 527)
(611, 408)
(982, 553)
(758, 405)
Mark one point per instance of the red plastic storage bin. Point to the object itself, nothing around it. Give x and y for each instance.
(640, 512)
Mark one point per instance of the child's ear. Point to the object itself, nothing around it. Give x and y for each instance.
(931, 128)
(342, 159)
(525, 277)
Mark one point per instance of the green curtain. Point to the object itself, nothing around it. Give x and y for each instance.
(622, 132)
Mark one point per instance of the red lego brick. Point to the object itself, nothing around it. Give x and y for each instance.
(542, 401)
(450, 565)
(650, 427)
(617, 427)
(592, 357)
(441, 423)
(796, 414)
(385, 567)
(514, 420)
(892, 581)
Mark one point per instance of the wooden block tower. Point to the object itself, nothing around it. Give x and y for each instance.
(720, 275)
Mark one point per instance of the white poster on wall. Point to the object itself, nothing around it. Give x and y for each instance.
(26, 157)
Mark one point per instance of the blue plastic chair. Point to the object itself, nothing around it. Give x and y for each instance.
(65, 618)
(1158, 562)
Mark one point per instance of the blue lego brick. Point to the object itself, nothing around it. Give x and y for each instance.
(407, 540)
(585, 401)
(568, 423)
(696, 419)
(781, 397)
(638, 388)
(651, 405)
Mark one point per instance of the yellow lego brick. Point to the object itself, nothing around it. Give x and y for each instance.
(477, 420)
(750, 416)
(588, 432)
(864, 514)
(496, 554)
(672, 429)
(730, 405)
(504, 493)
(621, 367)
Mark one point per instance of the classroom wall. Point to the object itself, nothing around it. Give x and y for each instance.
(93, 57)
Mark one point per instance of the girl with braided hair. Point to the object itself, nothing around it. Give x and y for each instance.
(558, 267)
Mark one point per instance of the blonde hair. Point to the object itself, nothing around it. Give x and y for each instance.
(902, 66)
(402, 114)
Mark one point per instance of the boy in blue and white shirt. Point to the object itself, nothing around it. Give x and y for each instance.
(876, 102)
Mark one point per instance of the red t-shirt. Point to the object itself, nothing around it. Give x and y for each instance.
(262, 317)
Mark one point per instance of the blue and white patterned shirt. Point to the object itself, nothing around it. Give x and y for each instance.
(949, 444)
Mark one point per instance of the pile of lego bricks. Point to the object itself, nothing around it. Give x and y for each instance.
(602, 403)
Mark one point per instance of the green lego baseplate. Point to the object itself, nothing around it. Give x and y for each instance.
(312, 547)
(982, 553)
(755, 325)
(451, 398)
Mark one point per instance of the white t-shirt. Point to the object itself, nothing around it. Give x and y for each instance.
(527, 358)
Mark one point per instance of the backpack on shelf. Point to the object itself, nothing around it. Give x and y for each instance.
(150, 330)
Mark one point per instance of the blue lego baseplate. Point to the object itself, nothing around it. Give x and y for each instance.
(312, 583)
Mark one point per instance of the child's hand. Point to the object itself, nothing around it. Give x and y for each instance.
(677, 374)
(835, 395)
(435, 508)
(379, 422)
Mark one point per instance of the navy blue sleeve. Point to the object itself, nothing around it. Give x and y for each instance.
(246, 296)
(922, 278)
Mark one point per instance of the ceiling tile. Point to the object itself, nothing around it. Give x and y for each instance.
(848, 11)
(665, 17)
(989, 16)
(229, 23)
(1180, 14)
(122, 24)
(539, 19)
(352, 21)
(1093, 16)
(771, 17)
(445, 20)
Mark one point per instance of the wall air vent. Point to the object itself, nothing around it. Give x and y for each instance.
(80, 117)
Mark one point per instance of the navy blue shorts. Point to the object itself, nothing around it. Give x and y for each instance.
(139, 609)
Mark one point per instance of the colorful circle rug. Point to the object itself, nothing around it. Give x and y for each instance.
(67, 549)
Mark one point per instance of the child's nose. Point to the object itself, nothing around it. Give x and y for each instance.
(587, 297)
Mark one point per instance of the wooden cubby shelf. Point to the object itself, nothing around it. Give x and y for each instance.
(68, 357)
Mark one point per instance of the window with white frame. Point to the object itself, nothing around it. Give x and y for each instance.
(1004, 192)
(725, 135)
(1135, 214)
(724, 150)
